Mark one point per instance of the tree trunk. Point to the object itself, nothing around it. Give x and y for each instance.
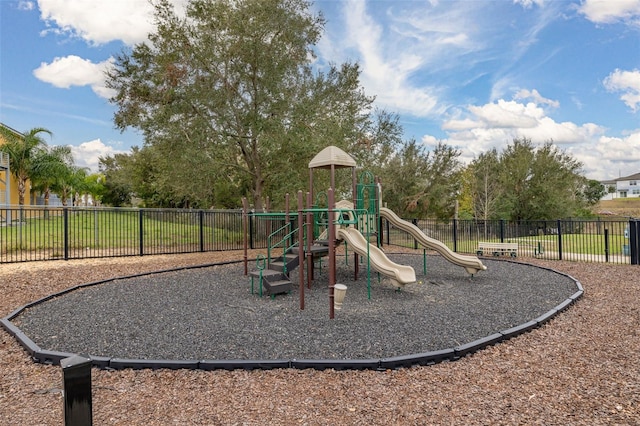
(258, 187)
(22, 187)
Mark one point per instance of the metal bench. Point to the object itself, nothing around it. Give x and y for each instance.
(498, 249)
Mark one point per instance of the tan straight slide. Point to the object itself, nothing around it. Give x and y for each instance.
(470, 263)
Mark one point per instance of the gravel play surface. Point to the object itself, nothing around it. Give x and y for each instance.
(210, 313)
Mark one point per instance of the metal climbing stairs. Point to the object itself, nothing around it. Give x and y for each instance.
(275, 275)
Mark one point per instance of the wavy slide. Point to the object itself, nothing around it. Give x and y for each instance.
(399, 274)
(471, 263)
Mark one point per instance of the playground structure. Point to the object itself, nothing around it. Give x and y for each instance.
(321, 229)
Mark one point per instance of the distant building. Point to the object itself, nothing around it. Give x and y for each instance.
(624, 187)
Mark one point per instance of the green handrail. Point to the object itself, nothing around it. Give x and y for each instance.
(283, 241)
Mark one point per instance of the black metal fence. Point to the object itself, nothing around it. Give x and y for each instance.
(38, 233)
(614, 241)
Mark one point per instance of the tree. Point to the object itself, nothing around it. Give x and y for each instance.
(93, 186)
(228, 92)
(419, 183)
(117, 189)
(485, 185)
(22, 150)
(71, 184)
(48, 169)
(593, 192)
(543, 183)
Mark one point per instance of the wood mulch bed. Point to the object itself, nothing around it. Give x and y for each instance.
(581, 368)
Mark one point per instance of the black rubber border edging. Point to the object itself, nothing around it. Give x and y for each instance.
(426, 358)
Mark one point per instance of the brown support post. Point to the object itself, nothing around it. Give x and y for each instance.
(301, 249)
(311, 183)
(378, 217)
(268, 210)
(287, 219)
(245, 215)
(332, 250)
(309, 241)
(354, 196)
(333, 178)
(354, 185)
(286, 207)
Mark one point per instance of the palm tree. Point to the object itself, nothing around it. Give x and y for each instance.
(70, 183)
(48, 169)
(94, 187)
(22, 150)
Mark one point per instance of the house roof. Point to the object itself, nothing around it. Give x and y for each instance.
(14, 131)
(331, 155)
(631, 177)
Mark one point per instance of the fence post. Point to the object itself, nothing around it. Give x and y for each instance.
(201, 222)
(634, 237)
(559, 224)
(502, 230)
(606, 243)
(65, 225)
(387, 229)
(251, 236)
(141, 231)
(76, 377)
(415, 242)
(455, 235)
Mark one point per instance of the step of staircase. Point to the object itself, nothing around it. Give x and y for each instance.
(316, 250)
(274, 282)
(291, 260)
(277, 287)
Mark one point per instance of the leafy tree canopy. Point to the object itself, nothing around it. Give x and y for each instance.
(525, 182)
(229, 103)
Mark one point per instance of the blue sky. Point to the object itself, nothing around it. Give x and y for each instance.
(473, 74)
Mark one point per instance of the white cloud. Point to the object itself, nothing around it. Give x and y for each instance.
(88, 154)
(610, 157)
(75, 71)
(96, 22)
(500, 114)
(535, 96)
(529, 3)
(480, 128)
(99, 22)
(627, 82)
(429, 141)
(611, 11)
(388, 77)
(402, 54)
(26, 5)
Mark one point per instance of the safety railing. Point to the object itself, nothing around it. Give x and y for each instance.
(49, 233)
(612, 241)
